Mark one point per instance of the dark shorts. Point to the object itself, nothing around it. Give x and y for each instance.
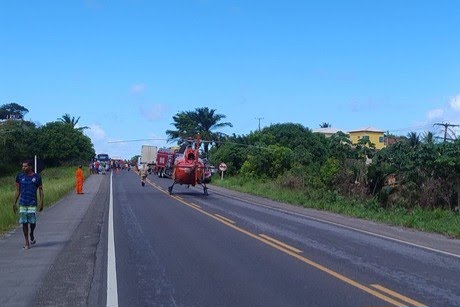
(27, 214)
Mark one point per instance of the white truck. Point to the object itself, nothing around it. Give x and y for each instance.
(149, 156)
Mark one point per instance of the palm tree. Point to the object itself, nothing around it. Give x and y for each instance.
(70, 120)
(325, 125)
(428, 137)
(203, 120)
(413, 138)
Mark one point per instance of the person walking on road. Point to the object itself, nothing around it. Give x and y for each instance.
(79, 180)
(27, 184)
(144, 172)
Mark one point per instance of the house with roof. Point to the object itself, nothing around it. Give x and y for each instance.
(328, 132)
(374, 135)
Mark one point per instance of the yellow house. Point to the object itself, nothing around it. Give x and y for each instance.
(372, 134)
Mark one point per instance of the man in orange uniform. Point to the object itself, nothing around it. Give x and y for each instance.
(79, 180)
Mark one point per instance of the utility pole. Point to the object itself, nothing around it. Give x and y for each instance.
(446, 127)
(259, 118)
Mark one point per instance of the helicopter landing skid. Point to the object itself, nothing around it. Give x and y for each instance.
(205, 189)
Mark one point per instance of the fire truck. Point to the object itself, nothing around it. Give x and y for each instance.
(165, 161)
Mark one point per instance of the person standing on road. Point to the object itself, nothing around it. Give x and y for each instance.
(27, 184)
(79, 180)
(144, 172)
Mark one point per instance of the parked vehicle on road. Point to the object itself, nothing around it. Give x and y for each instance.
(149, 156)
(165, 161)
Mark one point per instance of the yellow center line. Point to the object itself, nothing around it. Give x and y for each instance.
(281, 243)
(397, 295)
(195, 205)
(299, 257)
(224, 218)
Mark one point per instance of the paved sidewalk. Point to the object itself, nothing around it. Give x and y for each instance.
(22, 271)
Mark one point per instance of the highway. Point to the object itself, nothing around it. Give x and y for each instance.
(122, 244)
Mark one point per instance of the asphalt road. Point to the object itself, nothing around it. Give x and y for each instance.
(225, 249)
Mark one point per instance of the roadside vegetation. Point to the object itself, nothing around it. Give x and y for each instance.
(437, 220)
(56, 143)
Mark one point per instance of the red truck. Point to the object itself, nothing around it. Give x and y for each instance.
(165, 162)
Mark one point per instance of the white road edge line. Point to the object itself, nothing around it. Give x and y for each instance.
(112, 288)
(344, 226)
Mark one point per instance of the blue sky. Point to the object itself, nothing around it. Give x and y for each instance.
(126, 67)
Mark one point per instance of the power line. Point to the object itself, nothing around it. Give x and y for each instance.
(410, 128)
(446, 127)
(137, 140)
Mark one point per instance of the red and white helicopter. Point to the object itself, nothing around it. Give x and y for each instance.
(189, 168)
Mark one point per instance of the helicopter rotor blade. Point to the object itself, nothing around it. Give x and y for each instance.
(138, 140)
(188, 140)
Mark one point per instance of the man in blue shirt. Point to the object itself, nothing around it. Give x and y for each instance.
(27, 184)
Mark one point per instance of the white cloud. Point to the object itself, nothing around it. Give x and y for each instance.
(455, 103)
(95, 133)
(435, 114)
(138, 88)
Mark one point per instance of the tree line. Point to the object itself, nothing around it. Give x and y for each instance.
(56, 143)
(409, 173)
(414, 171)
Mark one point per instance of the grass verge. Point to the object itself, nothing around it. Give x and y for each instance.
(438, 221)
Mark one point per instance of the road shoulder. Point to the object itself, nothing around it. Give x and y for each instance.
(409, 236)
(24, 271)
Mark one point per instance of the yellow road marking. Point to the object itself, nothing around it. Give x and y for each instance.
(224, 218)
(195, 205)
(397, 295)
(281, 243)
(297, 256)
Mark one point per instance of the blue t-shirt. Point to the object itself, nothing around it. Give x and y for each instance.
(28, 185)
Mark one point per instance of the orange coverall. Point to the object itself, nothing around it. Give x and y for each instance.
(79, 180)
